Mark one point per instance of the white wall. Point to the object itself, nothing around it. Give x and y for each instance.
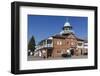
(5, 41)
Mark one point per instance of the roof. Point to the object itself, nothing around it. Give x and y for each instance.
(65, 36)
(79, 39)
(58, 36)
(41, 42)
(62, 37)
(67, 24)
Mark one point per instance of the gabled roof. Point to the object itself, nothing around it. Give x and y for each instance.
(65, 36)
(58, 36)
(61, 36)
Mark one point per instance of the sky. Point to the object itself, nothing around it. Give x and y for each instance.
(43, 26)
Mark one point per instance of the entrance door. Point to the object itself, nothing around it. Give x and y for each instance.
(49, 53)
(72, 51)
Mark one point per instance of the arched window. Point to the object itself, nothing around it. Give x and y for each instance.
(59, 42)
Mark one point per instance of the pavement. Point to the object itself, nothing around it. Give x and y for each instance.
(34, 58)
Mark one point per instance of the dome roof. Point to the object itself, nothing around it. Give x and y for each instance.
(67, 24)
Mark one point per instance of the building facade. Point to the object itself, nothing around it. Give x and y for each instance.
(63, 43)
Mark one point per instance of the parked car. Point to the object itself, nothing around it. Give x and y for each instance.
(85, 53)
(66, 55)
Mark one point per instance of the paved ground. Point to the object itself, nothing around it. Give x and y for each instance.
(31, 58)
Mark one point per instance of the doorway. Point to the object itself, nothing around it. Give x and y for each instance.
(49, 53)
(72, 51)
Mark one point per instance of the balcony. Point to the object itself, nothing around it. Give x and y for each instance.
(45, 44)
(48, 45)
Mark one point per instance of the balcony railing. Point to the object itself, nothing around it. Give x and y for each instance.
(44, 46)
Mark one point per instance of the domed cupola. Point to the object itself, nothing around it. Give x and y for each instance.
(67, 29)
(67, 26)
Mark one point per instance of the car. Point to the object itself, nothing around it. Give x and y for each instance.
(85, 53)
(66, 55)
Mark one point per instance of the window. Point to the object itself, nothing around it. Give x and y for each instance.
(72, 43)
(49, 41)
(85, 45)
(59, 42)
(79, 44)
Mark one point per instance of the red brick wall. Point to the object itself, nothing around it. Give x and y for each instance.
(66, 43)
